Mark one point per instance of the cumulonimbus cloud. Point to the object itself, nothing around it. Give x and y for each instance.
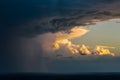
(60, 43)
(81, 13)
(64, 39)
(40, 17)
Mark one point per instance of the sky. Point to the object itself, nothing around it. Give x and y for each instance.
(43, 35)
(103, 33)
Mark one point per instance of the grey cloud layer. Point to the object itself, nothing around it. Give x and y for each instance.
(78, 14)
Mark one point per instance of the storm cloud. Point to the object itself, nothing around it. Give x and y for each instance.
(31, 18)
(23, 20)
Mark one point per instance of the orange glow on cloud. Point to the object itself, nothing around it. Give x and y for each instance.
(102, 50)
(63, 38)
(84, 50)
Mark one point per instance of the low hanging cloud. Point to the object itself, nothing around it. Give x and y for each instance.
(60, 43)
(79, 49)
(61, 17)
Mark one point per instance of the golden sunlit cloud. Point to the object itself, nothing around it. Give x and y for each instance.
(103, 50)
(63, 38)
(84, 50)
(74, 32)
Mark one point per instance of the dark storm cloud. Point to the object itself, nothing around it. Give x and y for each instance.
(57, 15)
(30, 18)
(34, 17)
